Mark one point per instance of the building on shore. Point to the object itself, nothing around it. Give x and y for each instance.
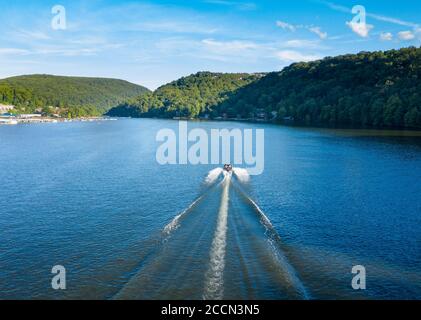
(260, 115)
(5, 108)
(29, 116)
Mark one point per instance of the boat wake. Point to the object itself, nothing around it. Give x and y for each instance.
(274, 242)
(213, 175)
(223, 241)
(214, 284)
(241, 174)
(175, 223)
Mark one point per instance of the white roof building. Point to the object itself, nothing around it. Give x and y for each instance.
(4, 108)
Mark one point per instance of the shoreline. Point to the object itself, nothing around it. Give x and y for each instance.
(408, 132)
(416, 131)
(17, 120)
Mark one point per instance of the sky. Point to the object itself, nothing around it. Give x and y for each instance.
(157, 41)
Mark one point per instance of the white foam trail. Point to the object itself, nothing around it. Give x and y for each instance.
(214, 283)
(175, 223)
(242, 174)
(213, 175)
(281, 258)
(264, 217)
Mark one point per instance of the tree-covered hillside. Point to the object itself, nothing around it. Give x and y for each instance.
(72, 96)
(190, 96)
(377, 89)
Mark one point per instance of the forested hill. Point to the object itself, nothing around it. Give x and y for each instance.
(75, 96)
(190, 96)
(377, 89)
(369, 89)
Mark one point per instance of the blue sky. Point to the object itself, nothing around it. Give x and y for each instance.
(154, 42)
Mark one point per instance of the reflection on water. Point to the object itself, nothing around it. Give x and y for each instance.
(372, 133)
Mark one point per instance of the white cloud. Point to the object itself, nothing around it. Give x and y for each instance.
(232, 51)
(67, 52)
(378, 17)
(88, 40)
(297, 43)
(386, 36)
(236, 4)
(362, 29)
(285, 25)
(173, 27)
(229, 47)
(49, 50)
(304, 44)
(240, 51)
(406, 35)
(336, 7)
(31, 35)
(319, 32)
(392, 20)
(13, 51)
(314, 29)
(295, 56)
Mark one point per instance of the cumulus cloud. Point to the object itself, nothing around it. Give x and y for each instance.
(285, 25)
(406, 35)
(317, 30)
(295, 56)
(362, 29)
(386, 36)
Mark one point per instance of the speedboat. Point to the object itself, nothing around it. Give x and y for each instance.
(228, 167)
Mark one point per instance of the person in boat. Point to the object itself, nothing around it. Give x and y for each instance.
(228, 167)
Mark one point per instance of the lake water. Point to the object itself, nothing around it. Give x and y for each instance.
(91, 197)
